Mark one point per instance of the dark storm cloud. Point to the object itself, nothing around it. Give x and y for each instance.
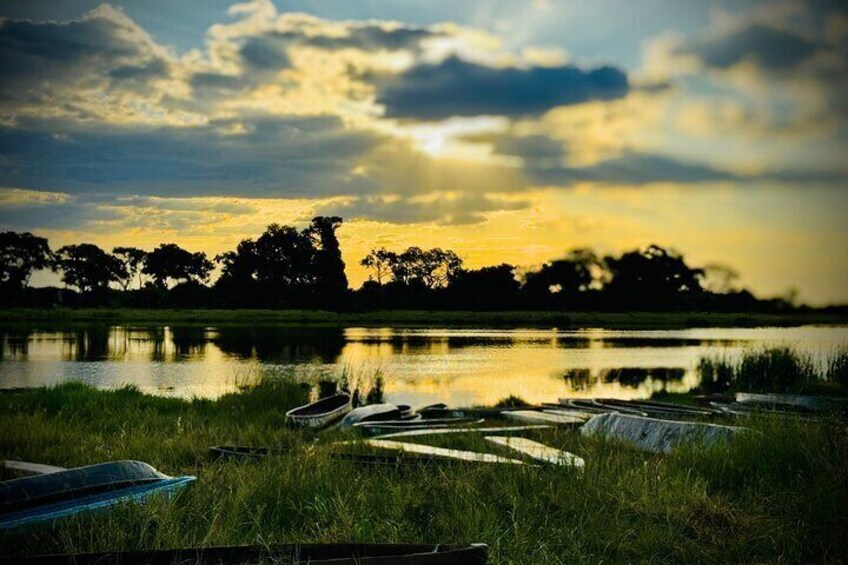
(459, 88)
(265, 53)
(374, 38)
(770, 48)
(275, 157)
(104, 43)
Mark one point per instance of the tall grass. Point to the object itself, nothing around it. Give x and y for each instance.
(779, 369)
(778, 495)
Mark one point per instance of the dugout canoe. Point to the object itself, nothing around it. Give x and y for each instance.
(48, 497)
(295, 554)
(320, 413)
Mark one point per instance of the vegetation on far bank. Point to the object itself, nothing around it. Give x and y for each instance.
(415, 318)
(285, 267)
(778, 495)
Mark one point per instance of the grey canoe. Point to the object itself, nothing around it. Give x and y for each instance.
(47, 497)
(370, 413)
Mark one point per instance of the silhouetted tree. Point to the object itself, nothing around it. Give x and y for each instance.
(284, 257)
(169, 261)
(20, 255)
(132, 261)
(87, 267)
(328, 268)
(487, 288)
(380, 261)
(565, 277)
(653, 276)
(432, 268)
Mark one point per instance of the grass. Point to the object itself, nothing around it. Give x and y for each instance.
(779, 495)
(777, 369)
(611, 320)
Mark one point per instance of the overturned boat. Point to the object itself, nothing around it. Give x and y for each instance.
(50, 496)
(655, 435)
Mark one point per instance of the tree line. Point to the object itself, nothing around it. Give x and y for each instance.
(289, 268)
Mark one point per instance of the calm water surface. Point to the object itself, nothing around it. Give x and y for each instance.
(421, 366)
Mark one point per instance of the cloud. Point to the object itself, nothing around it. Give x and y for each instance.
(78, 67)
(772, 49)
(455, 87)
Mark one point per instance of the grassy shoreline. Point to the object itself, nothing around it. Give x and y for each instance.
(778, 495)
(414, 318)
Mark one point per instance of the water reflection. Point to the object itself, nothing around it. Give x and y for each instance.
(458, 366)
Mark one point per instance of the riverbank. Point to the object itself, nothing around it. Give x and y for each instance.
(777, 495)
(415, 318)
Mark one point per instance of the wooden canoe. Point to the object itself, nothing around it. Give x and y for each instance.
(370, 413)
(296, 554)
(321, 413)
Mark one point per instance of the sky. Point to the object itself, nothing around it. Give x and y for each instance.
(509, 131)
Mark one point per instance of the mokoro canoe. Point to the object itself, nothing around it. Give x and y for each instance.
(592, 405)
(375, 428)
(534, 417)
(441, 452)
(539, 451)
(440, 431)
(43, 498)
(796, 402)
(321, 413)
(300, 554)
(658, 409)
(245, 453)
(370, 413)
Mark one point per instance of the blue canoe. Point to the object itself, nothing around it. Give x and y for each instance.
(44, 498)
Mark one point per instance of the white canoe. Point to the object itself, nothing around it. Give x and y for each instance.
(534, 417)
(539, 451)
(441, 452)
(321, 413)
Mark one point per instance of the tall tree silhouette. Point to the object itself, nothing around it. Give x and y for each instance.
(132, 261)
(87, 267)
(432, 268)
(20, 255)
(328, 267)
(169, 261)
(566, 277)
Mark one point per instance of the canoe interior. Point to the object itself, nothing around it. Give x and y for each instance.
(322, 406)
(313, 554)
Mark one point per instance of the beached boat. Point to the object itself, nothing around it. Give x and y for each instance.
(441, 452)
(47, 497)
(534, 417)
(295, 554)
(596, 406)
(370, 413)
(657, 409)
(796, 402)
(539, 451)
(464, 430)
(391, 426)
(656, 435)
(247, 453)
(321, 413)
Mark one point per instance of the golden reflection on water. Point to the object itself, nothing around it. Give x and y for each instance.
(459, 367)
